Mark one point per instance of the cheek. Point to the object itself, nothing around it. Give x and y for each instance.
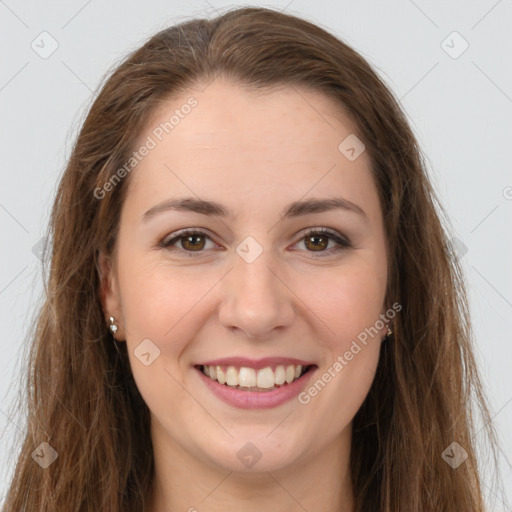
(351, 342)
(160, 304)
(347, 301)
(159, 299)
(168, 306)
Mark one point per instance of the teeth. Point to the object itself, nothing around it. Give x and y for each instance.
(231, 376)
(246, 377)
(221, 376)
(280, 375)
(290, 374)
(264, 378)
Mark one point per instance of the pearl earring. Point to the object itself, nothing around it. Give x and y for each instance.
(113, 326)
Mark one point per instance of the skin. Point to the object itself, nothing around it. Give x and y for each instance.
(254, 153)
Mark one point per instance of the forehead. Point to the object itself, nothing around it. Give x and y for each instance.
(241, 144)
(229, 114)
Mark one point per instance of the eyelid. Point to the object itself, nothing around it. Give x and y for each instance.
(342, 241)
(175, 236)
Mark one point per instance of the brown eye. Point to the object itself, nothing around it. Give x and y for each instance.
(190, 242)
(318, 242)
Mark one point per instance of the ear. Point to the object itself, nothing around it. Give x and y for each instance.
(109, 293)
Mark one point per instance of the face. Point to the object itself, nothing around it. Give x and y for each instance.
(275, 290)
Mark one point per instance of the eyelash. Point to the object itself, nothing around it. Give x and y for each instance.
(343, 243)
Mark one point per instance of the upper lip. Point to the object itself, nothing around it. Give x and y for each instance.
(255, 363)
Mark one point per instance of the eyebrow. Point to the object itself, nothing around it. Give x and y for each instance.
(295, 209)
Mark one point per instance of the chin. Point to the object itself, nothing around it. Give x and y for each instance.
(255, 452)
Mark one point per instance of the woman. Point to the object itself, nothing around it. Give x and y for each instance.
(252, 303)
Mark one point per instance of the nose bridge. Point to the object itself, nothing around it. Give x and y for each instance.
(255, 300)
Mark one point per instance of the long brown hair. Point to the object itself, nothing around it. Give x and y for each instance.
(81, 396)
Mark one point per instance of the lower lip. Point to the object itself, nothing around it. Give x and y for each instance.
(257, 399)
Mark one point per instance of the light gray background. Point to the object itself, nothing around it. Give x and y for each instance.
(460, 109)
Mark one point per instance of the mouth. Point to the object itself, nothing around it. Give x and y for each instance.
(245, 378)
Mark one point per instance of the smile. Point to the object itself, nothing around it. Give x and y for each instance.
(252, 379)
(262, 384)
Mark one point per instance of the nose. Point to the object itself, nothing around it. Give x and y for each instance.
(256, 297)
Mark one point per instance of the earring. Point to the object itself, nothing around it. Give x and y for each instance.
(389, 333)
(113, 326)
